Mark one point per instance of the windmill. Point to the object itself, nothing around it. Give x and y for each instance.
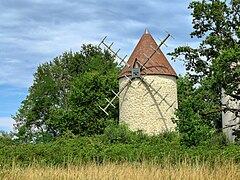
(147, 87)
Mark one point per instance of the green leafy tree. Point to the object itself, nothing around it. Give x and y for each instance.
(193, 124)
(83, 117)
(81, 77)
(217, 24)
(210, 67)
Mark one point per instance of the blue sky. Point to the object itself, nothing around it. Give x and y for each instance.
(36, 31)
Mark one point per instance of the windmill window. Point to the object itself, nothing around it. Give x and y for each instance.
(135, 72)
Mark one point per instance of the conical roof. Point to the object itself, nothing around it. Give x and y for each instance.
(157, 65)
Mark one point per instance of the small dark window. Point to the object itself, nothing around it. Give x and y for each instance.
(135, 72)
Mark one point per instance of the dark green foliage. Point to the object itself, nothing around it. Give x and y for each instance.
(226, 71)
(65, 94)
(216, 23)
(83, 116)
(122, 146)
(119, 134)
(193, 123)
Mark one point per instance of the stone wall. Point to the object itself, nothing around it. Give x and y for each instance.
(149, 108)
(229, 119)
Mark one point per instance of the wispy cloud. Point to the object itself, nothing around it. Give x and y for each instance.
(6, 123)
(33, 31)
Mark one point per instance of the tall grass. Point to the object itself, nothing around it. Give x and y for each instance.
(140, 171)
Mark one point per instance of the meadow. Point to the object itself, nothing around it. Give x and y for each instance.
(124, 171)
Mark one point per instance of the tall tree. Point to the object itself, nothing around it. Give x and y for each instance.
(65, 94)
(217, 24)
(215, 63)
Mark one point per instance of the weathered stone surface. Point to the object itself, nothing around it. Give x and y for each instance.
(229, 119)
(143, 108)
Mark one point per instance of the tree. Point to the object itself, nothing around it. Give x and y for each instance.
(81, 77)
(217, 24)
(83, 117)
(214, 64)
(193, 124)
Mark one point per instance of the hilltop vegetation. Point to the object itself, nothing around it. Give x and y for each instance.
(118, 144)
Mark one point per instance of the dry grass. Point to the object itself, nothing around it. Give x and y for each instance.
(124, 171)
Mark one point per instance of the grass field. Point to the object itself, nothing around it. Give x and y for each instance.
(124, 171)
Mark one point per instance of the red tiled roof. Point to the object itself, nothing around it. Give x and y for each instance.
(158, 64)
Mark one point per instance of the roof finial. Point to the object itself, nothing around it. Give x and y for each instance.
(146, 31)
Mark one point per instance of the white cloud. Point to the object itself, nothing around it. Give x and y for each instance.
(36, 31)
(6, 122)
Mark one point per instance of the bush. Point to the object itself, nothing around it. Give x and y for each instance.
(119, 133)
(193, 131)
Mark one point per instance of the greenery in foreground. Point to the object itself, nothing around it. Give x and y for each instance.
(117, 144)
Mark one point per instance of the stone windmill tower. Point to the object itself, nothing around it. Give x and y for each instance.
(147, 88)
